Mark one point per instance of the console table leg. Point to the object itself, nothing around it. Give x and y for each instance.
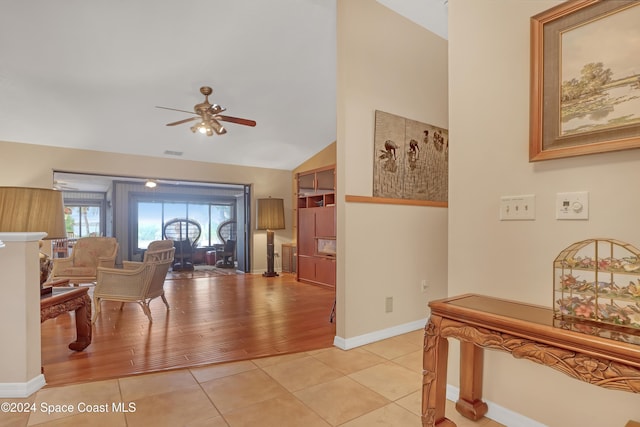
(434, 379)
(470, 403)
(83, 325)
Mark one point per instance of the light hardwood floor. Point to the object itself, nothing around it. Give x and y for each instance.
(214, 319)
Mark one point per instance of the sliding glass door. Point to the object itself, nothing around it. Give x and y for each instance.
(152, 215)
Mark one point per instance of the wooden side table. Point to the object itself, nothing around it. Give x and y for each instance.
(63, 299)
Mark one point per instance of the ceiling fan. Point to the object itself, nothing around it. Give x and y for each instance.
(208, 116)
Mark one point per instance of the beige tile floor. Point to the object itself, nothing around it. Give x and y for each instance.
(376, 384)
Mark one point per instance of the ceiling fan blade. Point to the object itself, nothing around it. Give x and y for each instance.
(236, 120)
(174, 109)
(179, 122)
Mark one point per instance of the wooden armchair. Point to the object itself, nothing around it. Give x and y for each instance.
(87, 255)
(225, 255)
(138, 282)
(185, 234)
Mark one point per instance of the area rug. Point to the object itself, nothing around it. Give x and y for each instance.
(200, 272)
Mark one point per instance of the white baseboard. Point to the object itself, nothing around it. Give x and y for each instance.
(349, 343)
(498, 413)
(17, 390)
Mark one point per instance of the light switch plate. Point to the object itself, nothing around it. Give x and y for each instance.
(572, 205)
(518, 208)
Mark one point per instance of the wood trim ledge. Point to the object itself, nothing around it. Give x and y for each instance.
(387, 201)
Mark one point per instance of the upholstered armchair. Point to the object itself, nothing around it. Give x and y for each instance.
(138, 282)
(87, 255)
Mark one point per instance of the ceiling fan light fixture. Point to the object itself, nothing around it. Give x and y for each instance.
(220, 130)
(209, 116)
(199, 127)
(207, 128)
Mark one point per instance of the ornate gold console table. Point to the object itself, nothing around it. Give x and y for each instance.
(526, 331)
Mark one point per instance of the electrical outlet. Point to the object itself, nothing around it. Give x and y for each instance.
(518, 208)
(388, 302)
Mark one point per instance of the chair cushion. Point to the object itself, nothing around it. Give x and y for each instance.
(87, 251)
(77, 271)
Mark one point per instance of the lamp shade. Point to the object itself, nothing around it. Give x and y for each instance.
(24, 209)
(270, 214)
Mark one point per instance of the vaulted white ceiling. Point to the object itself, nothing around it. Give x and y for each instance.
(88, 74)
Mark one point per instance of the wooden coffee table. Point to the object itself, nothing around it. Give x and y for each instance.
(63, 299)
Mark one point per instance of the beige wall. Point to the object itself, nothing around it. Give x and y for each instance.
(489, 125)
(388, 63)
(32, 165)
(325, 157)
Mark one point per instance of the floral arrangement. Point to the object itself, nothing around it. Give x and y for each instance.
(627, 264)
(587, 308)
(610, 290)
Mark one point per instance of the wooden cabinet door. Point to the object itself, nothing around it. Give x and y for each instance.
(326, 180)
(306, 268)
(317, 270)
(306, 183)
(325, 221)
(326, 271)
(306, 231)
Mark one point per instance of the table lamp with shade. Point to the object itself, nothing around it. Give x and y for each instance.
(25, 209)
(270, 217)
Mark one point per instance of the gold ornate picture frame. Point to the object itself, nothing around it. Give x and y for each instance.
(585, 79)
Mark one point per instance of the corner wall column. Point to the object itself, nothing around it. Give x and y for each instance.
(20, 372)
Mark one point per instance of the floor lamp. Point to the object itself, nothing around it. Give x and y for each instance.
(270, 217)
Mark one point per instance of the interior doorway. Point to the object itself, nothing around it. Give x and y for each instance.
(134, 212)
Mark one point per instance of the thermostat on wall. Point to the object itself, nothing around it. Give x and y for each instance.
(572, 205)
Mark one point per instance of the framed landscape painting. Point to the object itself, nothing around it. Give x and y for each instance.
(585, 79)
(411, 159)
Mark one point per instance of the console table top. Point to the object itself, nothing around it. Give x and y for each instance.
(538, 323)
